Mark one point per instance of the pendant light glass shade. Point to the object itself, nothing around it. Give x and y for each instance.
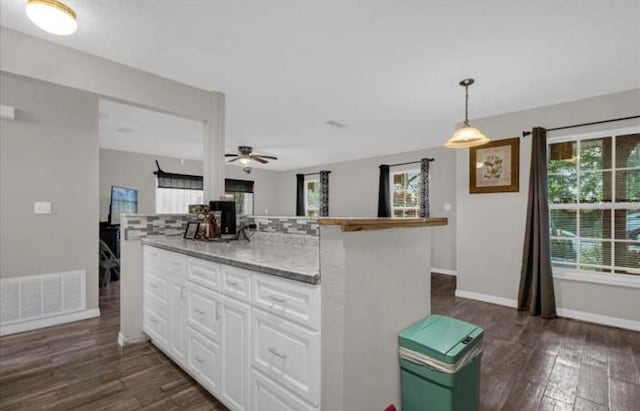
(52, 17)
(466, 136)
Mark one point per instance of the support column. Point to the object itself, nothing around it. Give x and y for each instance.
(214, 140)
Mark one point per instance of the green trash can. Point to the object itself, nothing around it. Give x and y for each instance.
(440, 365)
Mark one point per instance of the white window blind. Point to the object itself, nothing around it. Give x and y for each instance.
(405, 200)
(594, 202)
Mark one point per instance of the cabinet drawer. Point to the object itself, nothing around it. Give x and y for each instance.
(236, 282)
(204, 273)
(157, 327)
(175, 263)
(158, 287)
(204, 311)
(269, 396)
(204, 360)
(294, 301)
(288, 353)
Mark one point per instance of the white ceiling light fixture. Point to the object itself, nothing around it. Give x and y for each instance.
(52, 16)
(466, 136)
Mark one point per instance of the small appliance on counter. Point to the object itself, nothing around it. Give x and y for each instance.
(226, 223)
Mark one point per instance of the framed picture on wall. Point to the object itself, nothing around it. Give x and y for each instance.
(495, 167)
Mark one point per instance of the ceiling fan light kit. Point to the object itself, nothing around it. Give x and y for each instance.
(52, 16)
(245, 157)
(466, 136)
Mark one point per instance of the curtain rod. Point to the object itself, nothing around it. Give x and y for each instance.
(317, 172)
(527, 133)
(410, 162)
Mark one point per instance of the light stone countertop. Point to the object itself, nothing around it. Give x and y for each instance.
(299, 263)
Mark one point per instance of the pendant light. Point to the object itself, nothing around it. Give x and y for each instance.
(52, 16)
(466, 136)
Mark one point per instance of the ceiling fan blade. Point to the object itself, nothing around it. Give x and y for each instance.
(267, 157)
(259, 159)
(231, 155)
(233, 159)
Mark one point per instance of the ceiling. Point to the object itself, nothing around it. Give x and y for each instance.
(387, 69)
(128, 128)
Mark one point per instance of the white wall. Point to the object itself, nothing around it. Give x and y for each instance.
(490, 230)
(49, 153)
(135, 170)
(353, 192)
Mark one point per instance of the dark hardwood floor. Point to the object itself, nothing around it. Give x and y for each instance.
(80, 366)
(535, 364)
(528, 364)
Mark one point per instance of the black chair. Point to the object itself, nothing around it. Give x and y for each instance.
(109, 263)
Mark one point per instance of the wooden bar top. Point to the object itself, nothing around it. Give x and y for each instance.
(366, 223)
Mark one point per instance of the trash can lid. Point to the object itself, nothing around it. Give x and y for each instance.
(443, 338)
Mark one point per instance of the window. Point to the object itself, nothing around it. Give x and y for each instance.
(244, 202)
(312, 197)
(406, 193)
(176, 200)
(594, 203)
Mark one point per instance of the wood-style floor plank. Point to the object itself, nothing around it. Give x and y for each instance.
(528, 364)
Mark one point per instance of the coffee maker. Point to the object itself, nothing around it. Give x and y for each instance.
(227, 224)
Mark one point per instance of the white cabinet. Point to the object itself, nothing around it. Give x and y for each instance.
(251, 339)
(204, 361)
(235, 355)
(266, 395)
(178, 313)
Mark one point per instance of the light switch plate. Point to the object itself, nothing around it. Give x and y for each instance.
(42, 207)
(447, 206)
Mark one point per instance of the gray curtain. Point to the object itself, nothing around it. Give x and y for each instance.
(299, 194)
(324, 193)
(424, 187)
(536, 293)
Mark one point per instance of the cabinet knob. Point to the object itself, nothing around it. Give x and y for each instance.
(199, 311)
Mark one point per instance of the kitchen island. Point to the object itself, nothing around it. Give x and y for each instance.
(301, 324)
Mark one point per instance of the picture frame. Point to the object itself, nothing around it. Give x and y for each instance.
(495, 167)
(191, 231)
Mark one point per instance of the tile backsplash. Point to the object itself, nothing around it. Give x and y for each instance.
(283, 225)
(139, 226)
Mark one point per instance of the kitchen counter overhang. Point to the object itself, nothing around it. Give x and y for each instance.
(362, 224)
(299, 263)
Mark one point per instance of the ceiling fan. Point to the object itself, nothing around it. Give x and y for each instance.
(245, 157)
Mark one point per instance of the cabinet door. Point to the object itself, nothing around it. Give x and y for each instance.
(235, 354)
(179, 320)
(269, 396)
(204, 360)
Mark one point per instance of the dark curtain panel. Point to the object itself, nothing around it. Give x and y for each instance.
(182, 181)
(324, 193)
(299, 194)
(384, 193)
(424, 187)
(238, 186)
(536, 293)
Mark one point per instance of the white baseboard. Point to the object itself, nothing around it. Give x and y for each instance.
(599, 319)
(562, 312)
(508, 302)
(30, 325)
(444, 271)
(124, 340)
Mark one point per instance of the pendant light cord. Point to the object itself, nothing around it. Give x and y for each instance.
(466, 106)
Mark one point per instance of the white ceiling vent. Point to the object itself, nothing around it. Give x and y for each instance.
(336, 124)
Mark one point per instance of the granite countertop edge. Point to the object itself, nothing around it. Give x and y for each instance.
(277, 272)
